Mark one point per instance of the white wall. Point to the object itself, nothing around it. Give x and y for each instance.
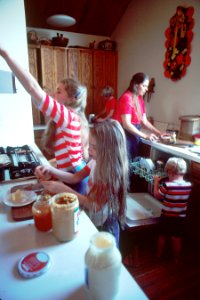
(141, 46)
(16, 124)
(75, 39)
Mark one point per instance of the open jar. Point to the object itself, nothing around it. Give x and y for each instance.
(41, 210)
(65, 216)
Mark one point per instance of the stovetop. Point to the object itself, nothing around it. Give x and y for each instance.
(17, 163)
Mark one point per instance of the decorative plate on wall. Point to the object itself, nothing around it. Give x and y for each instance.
(178, 43)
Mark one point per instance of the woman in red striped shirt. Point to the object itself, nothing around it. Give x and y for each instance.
(70, 139)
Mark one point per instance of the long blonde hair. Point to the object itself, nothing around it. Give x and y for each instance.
(79, 93)
(111, 172)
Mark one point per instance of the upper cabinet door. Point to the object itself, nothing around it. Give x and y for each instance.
(73, 61)
(33, 68)
(48, 69)
(86, 77)
(60, 64)
(105, 73)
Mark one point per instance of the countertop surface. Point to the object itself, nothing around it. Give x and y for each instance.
(66, 277)
(181, 148)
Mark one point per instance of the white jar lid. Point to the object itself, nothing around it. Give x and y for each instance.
(34, 264)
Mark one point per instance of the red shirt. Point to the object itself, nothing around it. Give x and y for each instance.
(110, 105)
(126, 107)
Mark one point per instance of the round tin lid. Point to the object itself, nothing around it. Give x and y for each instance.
(34, 264)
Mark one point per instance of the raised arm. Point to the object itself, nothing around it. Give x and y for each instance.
(27, 80)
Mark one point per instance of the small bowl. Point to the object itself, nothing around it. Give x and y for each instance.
(60, 41)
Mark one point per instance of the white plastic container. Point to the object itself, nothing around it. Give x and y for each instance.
(190, 125)
(65, 216)
(103, 267)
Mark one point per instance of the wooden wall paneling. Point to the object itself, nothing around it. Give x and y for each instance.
(74, 63)
(33, 68)
(99, 80)
(111, 67)
(86, 75)
(60, 64)
(47, 69)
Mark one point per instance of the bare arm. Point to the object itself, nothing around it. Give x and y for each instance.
(56, 187)
(43, 172)
(149, 126)
(106, 117)
(126, 122)
(27, 80)
(156, 193)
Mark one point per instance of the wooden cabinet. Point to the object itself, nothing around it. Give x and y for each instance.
(93, 68)
(33, 67)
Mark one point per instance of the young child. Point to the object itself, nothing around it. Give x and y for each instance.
(174, 192)
(107, 168)
(69, 133)
(109, 110)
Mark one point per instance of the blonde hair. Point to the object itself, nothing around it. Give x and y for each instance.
(79, 93)
(176, 165)
(107, 91)
(111, 172)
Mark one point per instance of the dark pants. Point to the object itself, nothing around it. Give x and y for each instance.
(133, 142)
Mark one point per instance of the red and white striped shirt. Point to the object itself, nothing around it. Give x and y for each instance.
(67, 146)
(175, 196)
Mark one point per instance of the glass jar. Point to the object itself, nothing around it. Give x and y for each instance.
(41, 210)
(103, 267)
(65, 216)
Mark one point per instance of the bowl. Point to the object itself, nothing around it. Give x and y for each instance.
(60, 41)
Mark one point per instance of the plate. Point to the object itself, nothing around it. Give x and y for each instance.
(25, 198)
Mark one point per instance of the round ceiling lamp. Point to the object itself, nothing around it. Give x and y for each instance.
(61, 21)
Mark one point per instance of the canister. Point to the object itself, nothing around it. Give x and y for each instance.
(190, 125)
(65, 216)
(103, 267)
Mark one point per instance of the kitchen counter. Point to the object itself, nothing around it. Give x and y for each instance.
(179, 149)
(65, 278)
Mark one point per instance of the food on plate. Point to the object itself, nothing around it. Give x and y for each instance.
(168, 139)
(18, 196)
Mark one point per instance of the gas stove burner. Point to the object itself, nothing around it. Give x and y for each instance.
(17, 163)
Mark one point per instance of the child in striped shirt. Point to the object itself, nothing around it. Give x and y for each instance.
(174, 193)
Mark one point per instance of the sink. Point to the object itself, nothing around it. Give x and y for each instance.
(141, 206)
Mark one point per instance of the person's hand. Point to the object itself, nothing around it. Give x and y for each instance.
(2, 51)
(157, 179)
(55, 187)
(44, 172)
(152, 137)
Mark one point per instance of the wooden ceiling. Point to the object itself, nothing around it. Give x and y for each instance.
(96, 17)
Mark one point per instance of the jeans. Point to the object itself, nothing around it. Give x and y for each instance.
(132, 142)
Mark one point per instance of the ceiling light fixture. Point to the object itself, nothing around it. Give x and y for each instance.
(61, 21)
